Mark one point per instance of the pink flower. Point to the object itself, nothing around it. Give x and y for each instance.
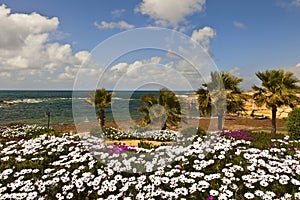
(178, 167)
(110, 151)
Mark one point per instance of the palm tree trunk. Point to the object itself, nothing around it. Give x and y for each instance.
(101, 116)
(274, 110)
(164, 125)
(220, 120)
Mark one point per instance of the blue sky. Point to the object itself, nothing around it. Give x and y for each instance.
(242, 37)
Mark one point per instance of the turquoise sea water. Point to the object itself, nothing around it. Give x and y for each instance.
(31, 106)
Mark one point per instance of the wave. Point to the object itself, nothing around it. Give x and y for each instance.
(182, 96)
(17, 101)
(123, 99)
(32, 100)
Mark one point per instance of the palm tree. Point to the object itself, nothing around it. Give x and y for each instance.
(100, 99)
(171, 104)
(204, 101)
(278, 89)
(165, 104)
(220, 95)
(235, 99)
(149, 101)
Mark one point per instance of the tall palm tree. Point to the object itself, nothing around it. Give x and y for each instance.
(279, 88)
(221, 95)
(167, 100)
(100, 99)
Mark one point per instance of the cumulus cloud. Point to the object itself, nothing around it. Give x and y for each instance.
(239, 25)
(154, 73)
(26, 49)
(111, 25)
(170, 12)
(203, 36)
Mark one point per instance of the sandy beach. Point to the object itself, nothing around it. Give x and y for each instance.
(230, 123)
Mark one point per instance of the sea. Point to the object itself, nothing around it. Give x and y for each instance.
(31, 107)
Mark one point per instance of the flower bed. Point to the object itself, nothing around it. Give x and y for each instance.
(52, 166)
(155, 135)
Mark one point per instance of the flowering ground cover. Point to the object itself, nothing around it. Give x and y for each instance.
(37, 163)
(157, 135)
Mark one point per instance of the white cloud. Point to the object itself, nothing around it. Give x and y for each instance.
(176, 74)
(58, 35)
(111, 25)
(143, 72)
(289, 4)
(294, 69)
(26, 50)
(249, 78)
(117, 13)
(170, 12)
(239, 25)
(295, 3)
(203, 36)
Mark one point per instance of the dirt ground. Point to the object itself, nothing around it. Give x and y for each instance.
(230, 123)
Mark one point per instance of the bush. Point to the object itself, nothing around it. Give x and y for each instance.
(149, 145)
(293, 123)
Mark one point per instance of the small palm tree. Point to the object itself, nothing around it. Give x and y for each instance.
(278, 89)
(167, 101)
(171, 104)
(235, 99)
(221, 94)
(149, 101)
(204, 101)
(100, 99)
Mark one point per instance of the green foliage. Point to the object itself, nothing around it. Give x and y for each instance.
(149, 145)
(279, 88)
(293, 123)
(220, 94)
(100, 99)
(222, 86)
(263, 140)
(164, 109)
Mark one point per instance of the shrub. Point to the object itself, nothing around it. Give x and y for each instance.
(149, 145)
(145, 145)
(293, 123)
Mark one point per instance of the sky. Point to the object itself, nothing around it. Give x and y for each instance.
(63, 45)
